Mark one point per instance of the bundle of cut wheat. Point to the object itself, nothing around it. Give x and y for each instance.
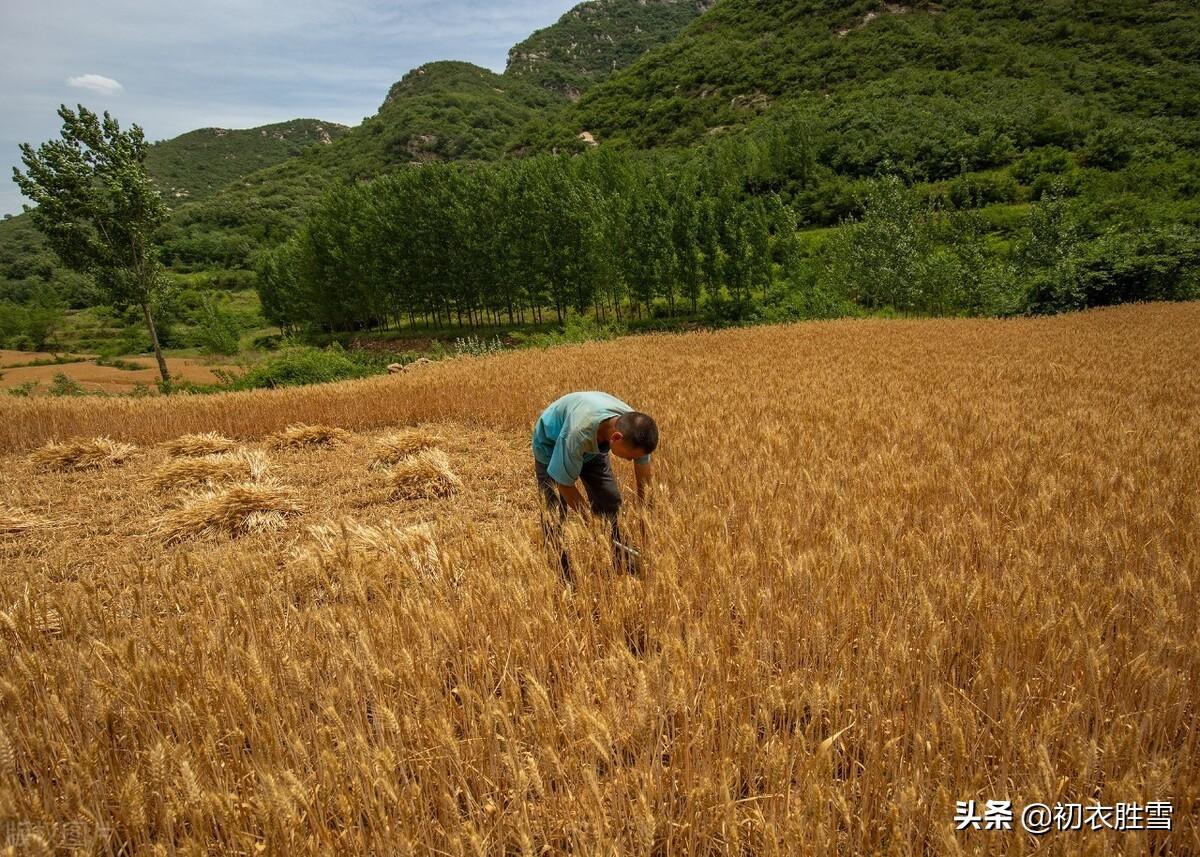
(391, 448)
(82, 454)
(205, 443)
(423, 475)
(297, 435)
(245, 507)
(245, 464)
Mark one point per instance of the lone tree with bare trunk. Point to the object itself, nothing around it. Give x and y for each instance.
(98, 209)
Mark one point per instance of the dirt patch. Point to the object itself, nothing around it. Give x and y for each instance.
(108, 379)
(9, 357)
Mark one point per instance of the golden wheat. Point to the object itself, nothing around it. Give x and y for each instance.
(421, 475)
(890, 565)
(203, 443)
(15, 522)
(188, 472)
(299, 435)
(82, 454)
(392, 447)
(245, 507)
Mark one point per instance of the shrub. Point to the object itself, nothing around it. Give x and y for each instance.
(979, 189)
(300, 365)
(1108, 148)
(217, 331)
(64, 386)
(1048, 160)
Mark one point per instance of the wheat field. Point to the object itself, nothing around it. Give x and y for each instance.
(890, 565)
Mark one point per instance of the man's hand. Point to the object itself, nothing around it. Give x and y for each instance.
(644, 473)
(573, 498)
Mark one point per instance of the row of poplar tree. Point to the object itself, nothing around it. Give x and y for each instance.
(457, 244)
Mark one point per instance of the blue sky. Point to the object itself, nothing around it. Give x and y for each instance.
(173, 66)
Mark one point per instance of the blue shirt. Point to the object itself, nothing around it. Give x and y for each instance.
(565, 434)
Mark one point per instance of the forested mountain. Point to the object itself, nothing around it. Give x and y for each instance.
(596, 38)
(190, 167)
(236, 191)
(981, 157)
(438, 111)
(1067, 131)
(197, 164)
(901, 81)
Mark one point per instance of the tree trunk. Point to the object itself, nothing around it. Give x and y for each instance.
(158, 355)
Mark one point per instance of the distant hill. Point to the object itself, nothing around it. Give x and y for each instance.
(237, 190)
(903, 73)
(197, 164)
(597, 38)
(439, 111)
(190, 167)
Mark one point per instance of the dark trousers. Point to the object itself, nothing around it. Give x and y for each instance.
(604, 496)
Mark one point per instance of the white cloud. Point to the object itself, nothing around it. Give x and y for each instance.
(95, 83)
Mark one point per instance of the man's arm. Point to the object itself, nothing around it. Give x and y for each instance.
(573, 497)
(564, 468)
(644, 474)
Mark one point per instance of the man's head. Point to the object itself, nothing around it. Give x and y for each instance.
(634, 435)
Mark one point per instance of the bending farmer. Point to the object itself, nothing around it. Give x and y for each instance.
(571, 441)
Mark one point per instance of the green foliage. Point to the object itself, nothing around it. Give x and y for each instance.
(300, 365)
(763, 116)
(23, 391)
(98, 209)
(907, 256)
(1071, 271)
(450, 244)
(1108, 148)
(576, 330)
(976, 190)
(118, 363)
(218, 331)
(64, 386)
(199, 163)
(922, 85)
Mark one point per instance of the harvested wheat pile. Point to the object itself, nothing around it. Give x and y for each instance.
(206, 443)
(423, 475)
(208, 470)
(295, 436)
(247, 507)
(82, 454)
(330, 541)
(391, 448)
(14, 522)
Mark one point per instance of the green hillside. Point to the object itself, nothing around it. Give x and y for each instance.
(190, 167)
(439, 111)
(596, 38)
(905, 83)
(237, 191)
(1047, 153)
(197, 164)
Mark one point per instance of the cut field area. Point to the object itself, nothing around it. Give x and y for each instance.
(891, 565)
(111, 379)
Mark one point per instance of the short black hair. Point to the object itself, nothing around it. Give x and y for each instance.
(639, 430)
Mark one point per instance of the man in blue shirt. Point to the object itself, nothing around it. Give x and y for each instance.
(571, 441)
